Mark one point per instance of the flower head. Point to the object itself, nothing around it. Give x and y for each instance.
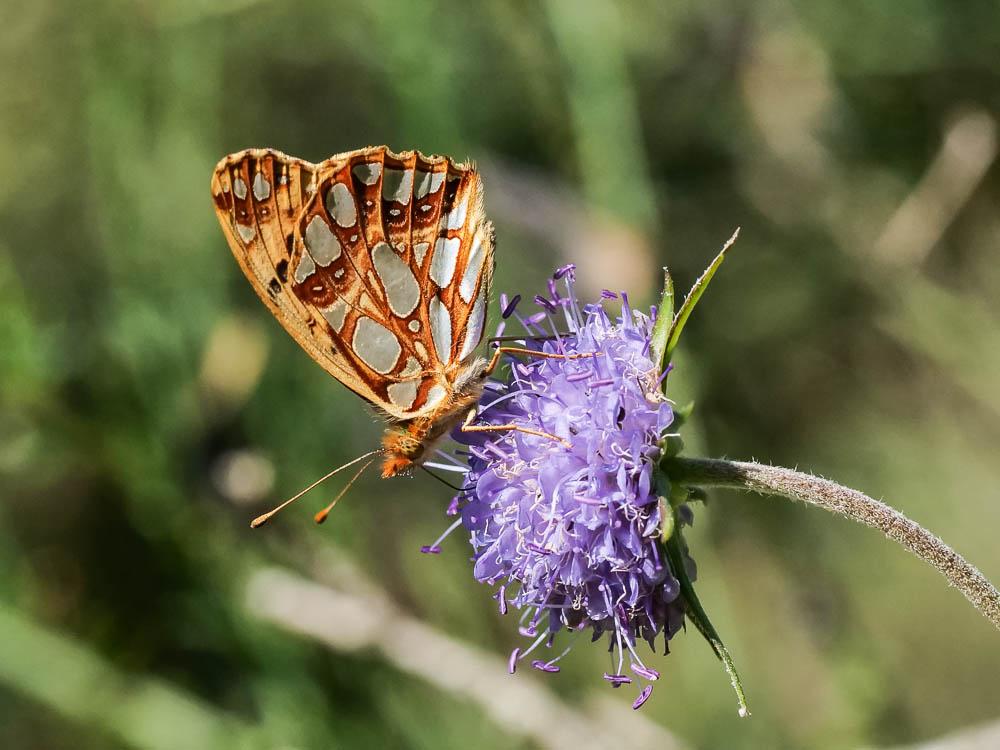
(564, 513)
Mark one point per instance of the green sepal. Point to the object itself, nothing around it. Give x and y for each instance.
(664, 322)
(671, 446)
(697, 495)
(682, 414)
(678, 494)
(668, 522)
(687, 307)
(674, 547)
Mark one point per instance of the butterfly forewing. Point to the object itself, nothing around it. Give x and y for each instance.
(377, 263)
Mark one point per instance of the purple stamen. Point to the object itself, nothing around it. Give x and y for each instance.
(643, 697)
(492, 448)
(507, 308)
(534, 319)
(545, 666)
(501, 597)
(617, 680)
(452, 507)
(645, 672)
(479, 453)
(608, 294)
(663, 375)
(545, 302)
(512, 661)
(431, 549)
(560, 272)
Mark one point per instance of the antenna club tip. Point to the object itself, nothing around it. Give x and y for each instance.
(260, 521)
(321, 516)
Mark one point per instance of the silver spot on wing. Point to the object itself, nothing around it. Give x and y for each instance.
(403, 394)
(340, 205)
(305, 268)
(441, 329)
(398, 281)
(428, 182)
(335, 314)
(322, 243)
(397, 185)
(376, 345)
(474, 327)
(419, 251)
(467, 287)
(444, 259)
(261, 187)
(412, 368)
(368, 173)
(455, 219)
(246, 233)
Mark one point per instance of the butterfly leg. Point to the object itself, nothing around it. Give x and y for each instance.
(501, 350)
(467, 426)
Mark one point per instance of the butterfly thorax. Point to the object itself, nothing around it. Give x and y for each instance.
(407, 444)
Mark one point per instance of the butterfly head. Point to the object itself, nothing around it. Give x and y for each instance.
(402, 448)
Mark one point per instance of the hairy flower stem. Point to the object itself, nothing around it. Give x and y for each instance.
(795, 485)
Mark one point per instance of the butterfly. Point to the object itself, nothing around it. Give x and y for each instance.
(379, 265)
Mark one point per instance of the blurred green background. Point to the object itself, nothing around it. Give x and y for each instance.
(149, 405)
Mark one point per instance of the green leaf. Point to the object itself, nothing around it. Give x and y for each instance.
(696, 613)
(682, 414)
(664, 321)
(687, 307)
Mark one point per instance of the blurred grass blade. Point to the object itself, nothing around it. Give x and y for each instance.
(958, 333)
(592, 39)
(696, 613)
(75, 682)
(687, 307)
(664, 321)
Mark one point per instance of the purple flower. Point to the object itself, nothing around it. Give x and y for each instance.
(567, 524)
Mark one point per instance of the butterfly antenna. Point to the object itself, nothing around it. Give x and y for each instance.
(321, 516)
(265, 517)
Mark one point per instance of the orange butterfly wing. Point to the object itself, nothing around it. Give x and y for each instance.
(378, 264)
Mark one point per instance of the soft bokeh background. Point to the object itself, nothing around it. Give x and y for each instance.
(149, 406)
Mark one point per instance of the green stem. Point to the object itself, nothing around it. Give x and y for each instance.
(795, 485)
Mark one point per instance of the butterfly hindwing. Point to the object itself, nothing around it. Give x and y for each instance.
(377, 263)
